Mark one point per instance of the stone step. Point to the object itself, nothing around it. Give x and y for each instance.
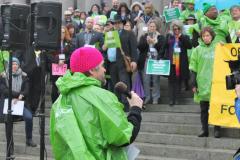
(19, 127)
(23, 157)
(188, 140)
(185, 129)
(21, 138)
(189, 108)
(142, 157)
(179, 101)
(169, 117)
(183, 152)
(20, 148)
(182, 94)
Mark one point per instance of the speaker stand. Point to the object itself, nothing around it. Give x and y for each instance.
(42, 106)
(9, 120)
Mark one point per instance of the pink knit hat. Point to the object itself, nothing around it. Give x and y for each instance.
(85, 58)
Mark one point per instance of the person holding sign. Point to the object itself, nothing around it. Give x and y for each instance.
(176, 51)
(121, 49)
(201, 66)
(59, 60)
(19, 93)
(113, 11)
(136, 11)
(151, 46)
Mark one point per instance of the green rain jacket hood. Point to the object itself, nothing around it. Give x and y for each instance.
(87, 122)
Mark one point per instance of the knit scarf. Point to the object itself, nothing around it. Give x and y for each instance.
(16, 80)
(176, 57)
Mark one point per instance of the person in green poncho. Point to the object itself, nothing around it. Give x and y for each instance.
(201, 67)
(212, 19)
(234, 24)
(189, 4)
(86, 121)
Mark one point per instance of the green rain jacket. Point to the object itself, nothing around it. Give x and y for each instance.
(87, 122)
(201, 62)
(185, 14)
(234, 27)
(3, 59)
(219, 26)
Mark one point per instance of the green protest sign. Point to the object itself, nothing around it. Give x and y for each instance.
(112, 14)
(187, 29)
(158, 67)
(171, 14)
(112, 39)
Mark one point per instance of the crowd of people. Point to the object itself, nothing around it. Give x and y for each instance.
(187, 42)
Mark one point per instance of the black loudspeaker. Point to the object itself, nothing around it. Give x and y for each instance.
(16, 25)
(46, 24)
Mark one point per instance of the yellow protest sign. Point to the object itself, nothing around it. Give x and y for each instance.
(222, 111)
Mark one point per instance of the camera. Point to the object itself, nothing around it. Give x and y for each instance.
(234, 78)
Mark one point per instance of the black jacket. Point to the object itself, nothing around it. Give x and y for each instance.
(24, 88)
(184, 44)
(96, 38)
(4, 94)
(144, 49)
(129, 46)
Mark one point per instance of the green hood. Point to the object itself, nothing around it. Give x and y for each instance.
(212, 22)
(75, 80)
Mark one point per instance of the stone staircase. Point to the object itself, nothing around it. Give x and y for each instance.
(170, 133)
(167, 133)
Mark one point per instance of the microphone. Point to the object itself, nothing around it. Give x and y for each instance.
(121, 88)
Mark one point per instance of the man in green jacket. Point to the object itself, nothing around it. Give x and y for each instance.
(213, 20)
(88, 122)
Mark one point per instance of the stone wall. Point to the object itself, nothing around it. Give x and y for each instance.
(86, 4)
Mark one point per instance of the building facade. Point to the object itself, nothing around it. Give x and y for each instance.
(84, 5)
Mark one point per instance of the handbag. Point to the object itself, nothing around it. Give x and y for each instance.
(127, 61)
(137, 86)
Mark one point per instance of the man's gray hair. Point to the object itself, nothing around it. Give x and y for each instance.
(88, 18)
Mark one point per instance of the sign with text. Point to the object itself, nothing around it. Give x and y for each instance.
(187, 29)
(222, 110)
(59, 70)
(171, 14)
(158, 67)
(17, 107)
(112, 39)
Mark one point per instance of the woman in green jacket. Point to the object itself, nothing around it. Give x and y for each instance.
(201, 66)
